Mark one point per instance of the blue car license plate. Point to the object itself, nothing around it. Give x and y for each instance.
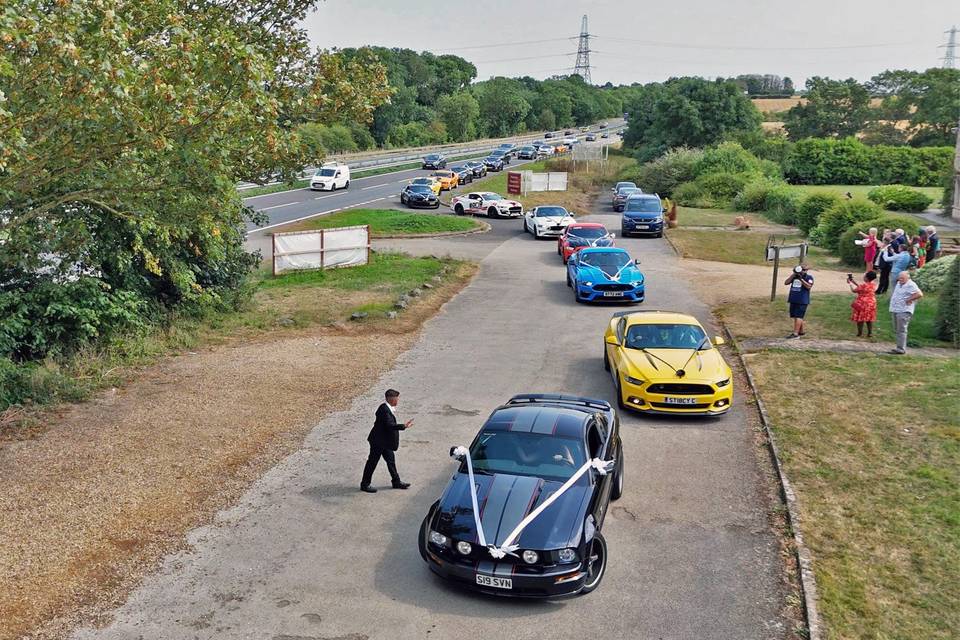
(613, 294)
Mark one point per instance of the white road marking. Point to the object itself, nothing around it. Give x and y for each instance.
(373, 186)
(277, 206)
(264, 195)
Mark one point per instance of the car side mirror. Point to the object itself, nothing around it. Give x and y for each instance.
(717, 341)
(612, 236)
(456, 455)
(637, 262)
(613, 341)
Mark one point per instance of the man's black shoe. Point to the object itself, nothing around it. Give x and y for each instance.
(401, 485)
(367, 488)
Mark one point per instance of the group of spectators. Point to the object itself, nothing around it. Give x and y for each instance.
(888, 258)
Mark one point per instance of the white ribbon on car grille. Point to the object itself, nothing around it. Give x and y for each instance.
(508, 547)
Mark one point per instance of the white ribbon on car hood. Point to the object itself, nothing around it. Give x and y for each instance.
(508, 547)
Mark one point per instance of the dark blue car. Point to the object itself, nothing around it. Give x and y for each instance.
(642, 215)
(604, 273)
(526, 450)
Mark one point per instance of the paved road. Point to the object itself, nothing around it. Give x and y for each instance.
(306, 555)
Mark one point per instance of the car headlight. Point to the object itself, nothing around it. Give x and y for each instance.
(588, 284)
(439, 539)
(464, 547)
(567, 555)
(723, 383)
(530, 557)
(633, 381)
(636, 283)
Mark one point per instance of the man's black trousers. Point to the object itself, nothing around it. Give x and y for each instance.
(375, 454)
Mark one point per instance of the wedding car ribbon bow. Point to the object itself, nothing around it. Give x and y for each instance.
(509, 547)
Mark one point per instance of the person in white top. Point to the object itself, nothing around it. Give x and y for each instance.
(903, 301)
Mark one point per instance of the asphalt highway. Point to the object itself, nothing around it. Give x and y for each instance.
(306, 555)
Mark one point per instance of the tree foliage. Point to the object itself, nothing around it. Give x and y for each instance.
(833, 108)
(124, 129)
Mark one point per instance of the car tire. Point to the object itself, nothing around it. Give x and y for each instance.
(402, 199)
(422, 540)
(576, 293)
(597, 550)
(606, 360)
(458, 209)
(346, 185)
(659, 235)
(617, 490)
(493, 213)
(536, 234)
(436, 206)
(569, 281)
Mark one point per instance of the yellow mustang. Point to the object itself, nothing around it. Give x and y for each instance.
(663, 362)
(431, 182)
(448, 179)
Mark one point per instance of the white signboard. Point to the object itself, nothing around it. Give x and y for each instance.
(321, 249)
(786, 251)
(552, 181)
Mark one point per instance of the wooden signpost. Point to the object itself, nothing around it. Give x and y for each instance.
(776, 251)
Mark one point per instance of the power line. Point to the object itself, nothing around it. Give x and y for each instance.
(547, 55)
(504, 44)
(681, 45)
(582, 67)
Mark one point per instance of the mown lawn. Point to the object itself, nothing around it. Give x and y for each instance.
(829, 317)
(744, 247)
(872, 448)
(389, 222)
(861, 190)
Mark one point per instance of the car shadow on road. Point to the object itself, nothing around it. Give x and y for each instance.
(403, 576)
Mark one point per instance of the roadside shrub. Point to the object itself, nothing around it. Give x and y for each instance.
(664, 174)
(948, 311)
(812, 207)
(782, 203)
(841, 217)
(933, 277)
(730, 157)
(753, 196)
(897, 197)
(852, 254)
(691, 194)
(722, 187)
(849, 161)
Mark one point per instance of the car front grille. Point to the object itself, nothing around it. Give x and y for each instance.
(666, 405)
(516, 210)
(556, 227)
(612, 287)
(680, 389)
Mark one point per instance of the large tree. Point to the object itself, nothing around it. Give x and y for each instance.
(833, 108)
(124, 128)
(503, 107)
(460, 112)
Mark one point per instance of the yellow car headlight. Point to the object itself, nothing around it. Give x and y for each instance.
(633, 381)
(723, 383)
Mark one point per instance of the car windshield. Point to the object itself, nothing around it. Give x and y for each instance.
(605, 260)
(623, 192)
(527, 454)
(588, 233)
(459, 169)
(493, 158)
(432, 157)
(665, 336)
(492, 196)
(426, 181)
(326, 173)
(644, 205)
(506, 146)
(420, 188)
(547, 212)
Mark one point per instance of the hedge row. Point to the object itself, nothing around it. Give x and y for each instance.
(849, 161)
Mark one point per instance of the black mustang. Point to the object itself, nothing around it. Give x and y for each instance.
(419, 195)
(526, 450)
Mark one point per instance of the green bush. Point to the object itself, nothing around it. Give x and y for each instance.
(948, 311)
(691, 194)
(849, 161)
(852, 254)
(665, 173)
(933, 277)
(730, 157)
(782, 203)
(753, 196)
(841, 217)
(812, 207)
(722, 186)
(897, 197)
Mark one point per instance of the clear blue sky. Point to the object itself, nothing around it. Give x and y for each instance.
(713, 37)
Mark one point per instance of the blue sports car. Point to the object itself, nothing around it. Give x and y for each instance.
(604, 273)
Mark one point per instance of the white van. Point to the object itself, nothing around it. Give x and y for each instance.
(331, 176)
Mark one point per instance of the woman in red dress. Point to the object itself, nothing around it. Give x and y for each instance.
(865, 304)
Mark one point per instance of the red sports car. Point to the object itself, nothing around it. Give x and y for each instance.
(580, 235)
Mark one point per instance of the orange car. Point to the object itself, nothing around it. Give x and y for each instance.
(448, 179)
(561, 148)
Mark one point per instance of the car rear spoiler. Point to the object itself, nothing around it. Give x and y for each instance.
(526, 398)
(620, 314)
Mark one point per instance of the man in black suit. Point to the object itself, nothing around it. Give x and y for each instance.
(384, 439)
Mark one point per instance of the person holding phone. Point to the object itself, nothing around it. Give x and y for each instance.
(865, 304)
(384, 441)
(800, 282)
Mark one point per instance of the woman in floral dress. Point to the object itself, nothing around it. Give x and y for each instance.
(865, 304)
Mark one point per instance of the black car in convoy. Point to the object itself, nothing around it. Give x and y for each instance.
(508, 149)
(524, 452)
(548, 134)
(419, 195)
(479, 169)
(464, 173)
(493, 163)
(500, 153)
(434, 161)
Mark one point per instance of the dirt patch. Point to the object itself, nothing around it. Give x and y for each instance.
(108, 487)
(722, 282)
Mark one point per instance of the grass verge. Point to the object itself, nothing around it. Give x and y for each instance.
(389, 222)
(874, 457)
(829, 317)
(743, 247)
(273, 188)
(861, 190)
(287, 302)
